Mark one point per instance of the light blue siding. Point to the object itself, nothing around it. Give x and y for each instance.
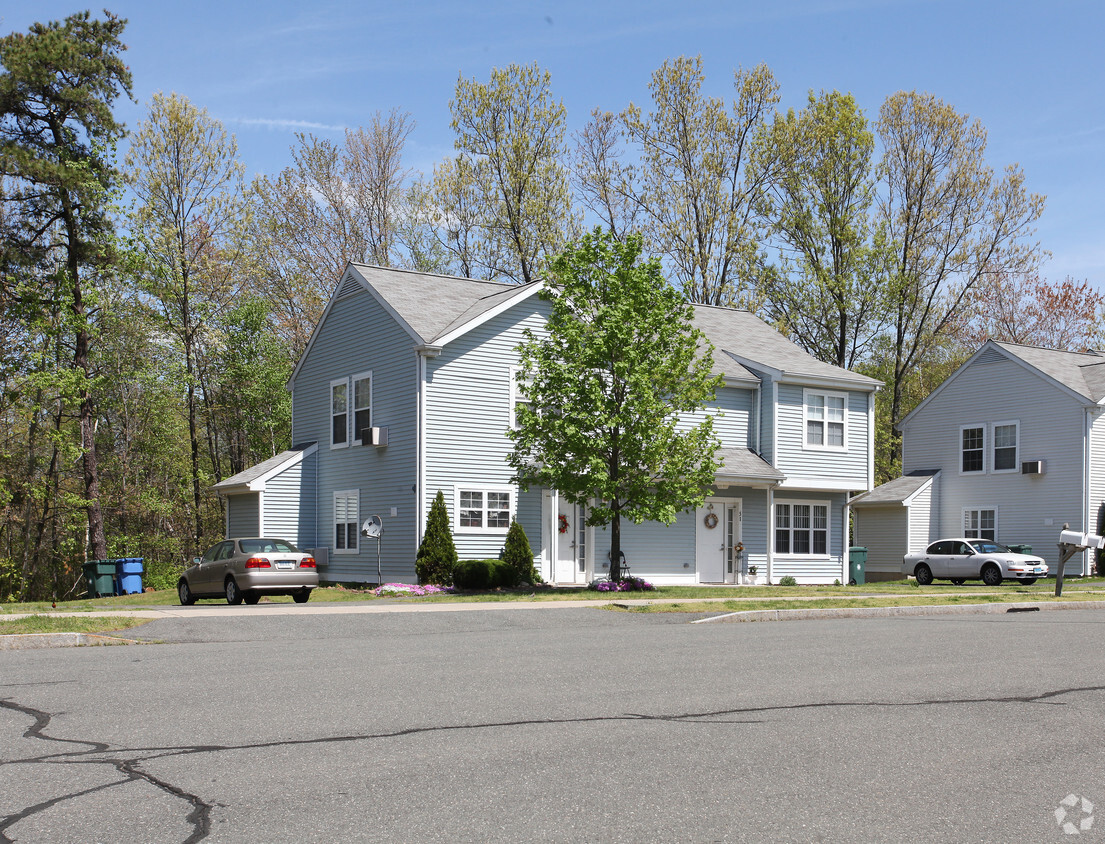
(731, 410)
(467, 417)
(243, 514)
(359, 336)
(290, 506)
(1031, 509)
(797, 461)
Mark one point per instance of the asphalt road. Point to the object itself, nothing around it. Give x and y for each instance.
(568, 725)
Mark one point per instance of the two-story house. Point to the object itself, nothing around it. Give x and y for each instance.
(1011, 446)
(408, 386)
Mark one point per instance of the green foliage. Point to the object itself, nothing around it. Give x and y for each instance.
(620, 366)
(437, 555)
(787, 580)
(518, 555)
(485, 574)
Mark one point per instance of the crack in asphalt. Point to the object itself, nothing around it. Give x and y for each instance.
(199, 818)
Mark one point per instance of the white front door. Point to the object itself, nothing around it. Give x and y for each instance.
(571, 544)
(717, 534)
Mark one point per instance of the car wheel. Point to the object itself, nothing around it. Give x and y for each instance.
(991, 575)
(302, 597)
(251, 597)
(185, 594)
(1028, 581)
(233, 593)
(958, 581)
(923, 574)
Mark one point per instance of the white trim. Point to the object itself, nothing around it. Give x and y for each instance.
(360, 376)
(261, 513)
(525, 291)
(870, 440)
(1016, 468)
(770, 556)
(345, 493)
(959, 448)
(330, 411)
(821, 484)
(511, 504)
(420, 425)
(825, 396)
(774, 423)
(963, 511)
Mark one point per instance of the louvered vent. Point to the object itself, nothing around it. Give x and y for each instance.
(990, 356)
(348, 286)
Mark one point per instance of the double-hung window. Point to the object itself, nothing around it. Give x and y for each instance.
(972, 448)
(517, 397)
(347, 516)
(482, 510)
(980, 524)
(1006, 435)
(802, 528)
(826, 420)
(362, 408)
(339, 413)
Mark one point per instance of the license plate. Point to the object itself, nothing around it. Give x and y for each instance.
(285, 564)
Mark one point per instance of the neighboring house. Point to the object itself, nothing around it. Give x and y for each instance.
(1010, 447)
(407, 387)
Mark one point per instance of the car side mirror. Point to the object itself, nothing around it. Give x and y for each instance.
(197, 560)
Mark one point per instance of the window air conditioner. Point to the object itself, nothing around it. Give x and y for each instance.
(1032, 467)
(378, 436)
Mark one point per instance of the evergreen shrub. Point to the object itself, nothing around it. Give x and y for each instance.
(437, 555)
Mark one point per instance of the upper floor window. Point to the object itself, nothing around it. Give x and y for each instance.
(482, 510)
(339, 413)
(1006, 435)
(517, 386)
(972, 440)
(825, 419)
(362, 407)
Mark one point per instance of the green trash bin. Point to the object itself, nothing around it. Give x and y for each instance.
(857, 565)
(1020, 549)
(99, 576)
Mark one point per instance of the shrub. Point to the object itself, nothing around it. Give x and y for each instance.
(787, 580)
(519, 556)
(484, 574)
(437, 555)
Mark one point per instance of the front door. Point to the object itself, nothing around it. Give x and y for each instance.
(571, 544)
(717, 536)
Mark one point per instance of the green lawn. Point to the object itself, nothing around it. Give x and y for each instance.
(66, 624)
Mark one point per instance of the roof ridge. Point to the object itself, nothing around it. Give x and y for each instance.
(445, 276)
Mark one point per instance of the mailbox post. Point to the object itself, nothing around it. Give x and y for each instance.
(1070, 543)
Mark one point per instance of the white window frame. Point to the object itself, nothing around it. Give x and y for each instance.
(345, 495)
(516, 397)
(338, 382)
(959, 448)
(483, 490)
(825, 396)
(353, 407)
(977, 512)
(790, 504)
(1016, 426)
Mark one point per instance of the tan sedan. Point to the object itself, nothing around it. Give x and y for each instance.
(245, 569)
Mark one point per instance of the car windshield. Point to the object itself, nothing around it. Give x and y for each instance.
(988, 546)
(267, 546)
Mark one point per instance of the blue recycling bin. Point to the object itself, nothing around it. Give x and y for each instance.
(128, 575)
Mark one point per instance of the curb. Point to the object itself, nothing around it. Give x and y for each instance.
(892, 612)
(29, 641)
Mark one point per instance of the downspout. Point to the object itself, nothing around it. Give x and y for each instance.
(870, 441)
(845, 556)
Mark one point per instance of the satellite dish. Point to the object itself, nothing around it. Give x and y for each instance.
(373, 526)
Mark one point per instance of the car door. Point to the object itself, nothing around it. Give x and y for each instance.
(961, 562)
(209, 577)
(937, 558)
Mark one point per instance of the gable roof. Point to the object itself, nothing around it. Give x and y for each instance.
(900, 491)
(1080, 374)
(254, 478)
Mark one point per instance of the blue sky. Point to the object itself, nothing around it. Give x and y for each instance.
(1032, 72)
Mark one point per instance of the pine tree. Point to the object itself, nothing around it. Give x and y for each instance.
(437, 555)
(518, 554)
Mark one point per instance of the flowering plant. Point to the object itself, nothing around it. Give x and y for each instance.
(626, 584)
(405, 590)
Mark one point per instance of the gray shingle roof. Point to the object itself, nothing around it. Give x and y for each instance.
(1083, 372)
(264, 467)
(745, 463)
(897, 490)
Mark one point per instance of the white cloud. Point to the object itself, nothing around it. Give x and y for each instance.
(277, 123)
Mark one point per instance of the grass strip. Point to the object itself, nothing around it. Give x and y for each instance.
(55, 624)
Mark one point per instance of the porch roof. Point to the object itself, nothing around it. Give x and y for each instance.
(745, 464)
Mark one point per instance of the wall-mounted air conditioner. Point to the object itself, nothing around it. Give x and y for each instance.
(1032, 467)
(378, 436)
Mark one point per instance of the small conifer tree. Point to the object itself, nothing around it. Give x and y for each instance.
(518, 555)
(437, 555)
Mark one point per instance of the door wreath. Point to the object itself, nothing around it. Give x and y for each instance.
(710, 521)
(563, 523)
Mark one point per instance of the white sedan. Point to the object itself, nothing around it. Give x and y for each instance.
(959, 560)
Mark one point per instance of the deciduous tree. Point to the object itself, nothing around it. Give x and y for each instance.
(607, 387)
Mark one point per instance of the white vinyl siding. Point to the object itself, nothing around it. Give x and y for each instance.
(347, 509)
(243, 514)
